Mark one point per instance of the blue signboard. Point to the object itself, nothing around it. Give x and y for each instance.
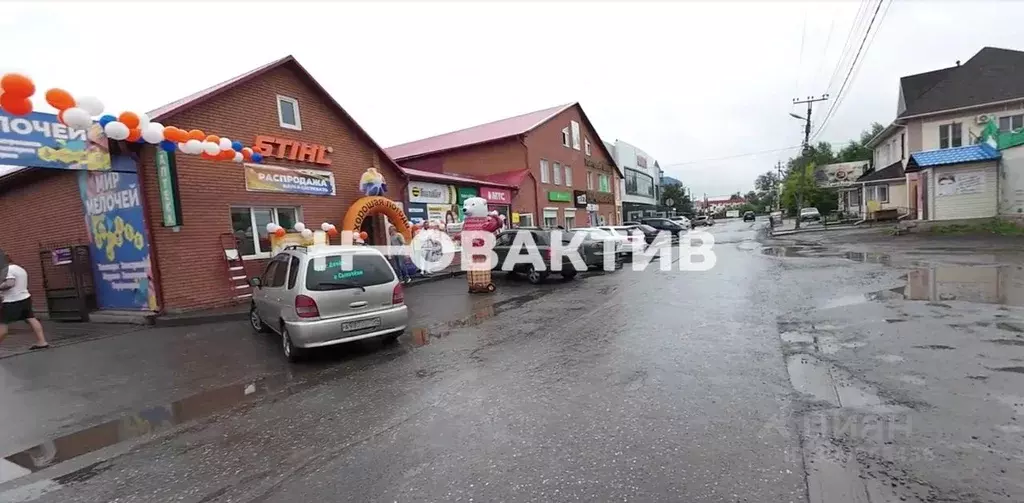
(40, 141)
(417, 213)
(121, 267)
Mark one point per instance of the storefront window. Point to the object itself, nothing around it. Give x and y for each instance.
(245, 219)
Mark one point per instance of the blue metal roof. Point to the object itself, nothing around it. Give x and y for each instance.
(957, 155)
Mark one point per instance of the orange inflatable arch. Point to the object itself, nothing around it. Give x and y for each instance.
(375, 205)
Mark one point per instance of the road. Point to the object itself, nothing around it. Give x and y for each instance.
(646, 385)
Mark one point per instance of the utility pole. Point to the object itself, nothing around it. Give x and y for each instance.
(810, 101)
(778, 186)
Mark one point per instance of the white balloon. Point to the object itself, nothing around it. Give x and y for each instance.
(225, 144)
(299, 226)
(238, 157)
(183, 147)
(306, 234)
(116, 130)
(143, 121)
(157, 124)
(90, 104)
(333, 227)
(195, 147)
(325, 226)
(271, 227)
(153, 133)
(211, 148)
(77, 118)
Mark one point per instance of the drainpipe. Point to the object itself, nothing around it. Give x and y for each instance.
(537, 212)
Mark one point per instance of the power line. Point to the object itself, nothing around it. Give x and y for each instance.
(847, 47)
(846, 80)
(748, 154)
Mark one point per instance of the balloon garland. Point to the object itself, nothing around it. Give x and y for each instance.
(78, 113)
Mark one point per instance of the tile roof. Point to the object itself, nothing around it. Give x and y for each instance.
(949, 156)
(476, 135)
(991, 75)
(420, 174)
(894, 170)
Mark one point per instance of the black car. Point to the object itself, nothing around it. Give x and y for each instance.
(542, 240)
(664, 224)
(749, 216)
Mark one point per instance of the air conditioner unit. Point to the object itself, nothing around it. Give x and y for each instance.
(983, 119)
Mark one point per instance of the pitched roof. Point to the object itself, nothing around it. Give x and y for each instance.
(420, 174)
(890, 172)
(483, 133)
(195, 99)
(991, 75)
(950, 156)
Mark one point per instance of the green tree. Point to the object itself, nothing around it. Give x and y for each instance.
(680, 200)
(857, 150)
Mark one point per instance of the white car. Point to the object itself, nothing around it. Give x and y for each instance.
(681, 220)
(810, 214)
(633, 239)
(602, 234)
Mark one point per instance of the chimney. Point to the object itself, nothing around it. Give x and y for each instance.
(958, 62)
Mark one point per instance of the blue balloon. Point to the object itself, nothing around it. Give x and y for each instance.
(257, 157)
(237, 146)
(168, 145)
(106, 119)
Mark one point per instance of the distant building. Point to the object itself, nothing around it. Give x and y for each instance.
(640, 180)
(718, 204)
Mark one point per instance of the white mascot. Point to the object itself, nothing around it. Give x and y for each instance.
(477, 219)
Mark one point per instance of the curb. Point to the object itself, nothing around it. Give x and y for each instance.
(185, 320)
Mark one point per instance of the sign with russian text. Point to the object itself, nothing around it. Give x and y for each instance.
(559, 196)
(496, 196)
(122, 274)
(262, 178)
(165, 177)
(432, 193)
(40, 141)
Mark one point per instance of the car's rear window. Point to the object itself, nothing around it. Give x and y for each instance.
(366, 270)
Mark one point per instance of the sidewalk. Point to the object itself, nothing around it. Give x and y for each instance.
(60, 334)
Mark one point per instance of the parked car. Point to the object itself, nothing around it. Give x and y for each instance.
(593, 243)
(664, 224)
(650, 233)
(541, 239)
(810, 214)
(749, 216)
(704, 221)
(311, 300)
(635, 237)
(681, 220)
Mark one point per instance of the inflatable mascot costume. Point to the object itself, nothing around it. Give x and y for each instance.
(477, 219)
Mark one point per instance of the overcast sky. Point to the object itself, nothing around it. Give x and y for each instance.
(684, 81)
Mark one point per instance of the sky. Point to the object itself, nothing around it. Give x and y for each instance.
(687, 82)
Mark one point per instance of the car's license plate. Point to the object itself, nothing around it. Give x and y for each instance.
(360, 325)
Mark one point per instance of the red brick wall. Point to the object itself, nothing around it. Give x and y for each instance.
(545, 142)
(191, 262)
(46, 208)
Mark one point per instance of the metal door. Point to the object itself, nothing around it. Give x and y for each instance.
(67, 281)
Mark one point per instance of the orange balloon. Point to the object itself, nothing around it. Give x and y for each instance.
(196, 134)
(60, 99)
(280, 232)
(134, 134)
(226, 155)
(247, 153)
(17, 85)
(332, 232)
(213, 138)
(363, 235)
(129, 119)
(171, 133)
(14, 104)
(182, 135)
(208, 157)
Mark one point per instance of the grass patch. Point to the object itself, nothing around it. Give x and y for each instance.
(996, 226)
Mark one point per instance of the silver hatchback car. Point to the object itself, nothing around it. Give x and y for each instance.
(311, 298)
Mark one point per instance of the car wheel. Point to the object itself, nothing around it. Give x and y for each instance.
(255, 321)
(569, 275)
(291, 353)
(536, 277)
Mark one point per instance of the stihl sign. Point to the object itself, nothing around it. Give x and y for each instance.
(282, 148)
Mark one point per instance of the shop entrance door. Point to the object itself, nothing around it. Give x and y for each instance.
(67, 281)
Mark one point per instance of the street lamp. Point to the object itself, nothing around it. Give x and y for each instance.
(795, 116)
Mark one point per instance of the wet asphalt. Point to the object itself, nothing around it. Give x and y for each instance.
(791, 371)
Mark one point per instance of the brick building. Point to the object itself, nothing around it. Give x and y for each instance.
(278, 108)
(561, 171)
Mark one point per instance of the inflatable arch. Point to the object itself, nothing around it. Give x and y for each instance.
(375, 205)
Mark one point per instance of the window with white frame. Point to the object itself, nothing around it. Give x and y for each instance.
(568, 176)
(557, 170)
(951, 135)
(1011, 122)
(288, 113)
(570, 219)
(545, 171)
(575, 134)
(590, 180)
(565, 137)
(550, 218)
(249, 225)
(586, 146)
(526, 219)
(878, 193)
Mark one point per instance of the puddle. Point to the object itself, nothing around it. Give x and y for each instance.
(131, 426)
(833, 385)
(421, 336)
(1016, 370)
(935, 346)
(983, 284)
